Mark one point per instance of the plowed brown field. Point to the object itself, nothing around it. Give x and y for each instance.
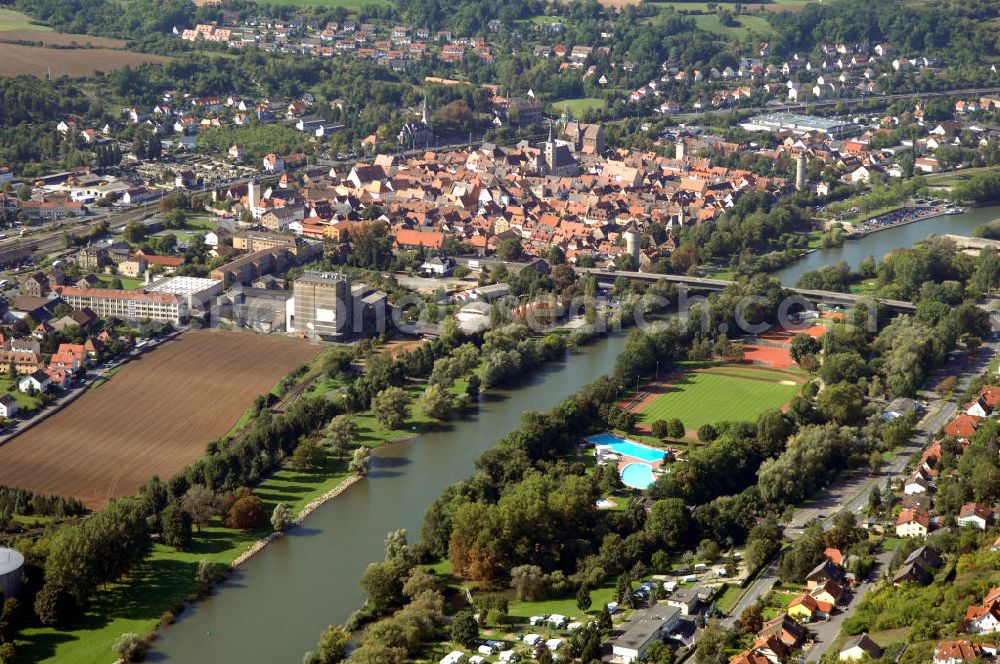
(154, 417)
(39, 61)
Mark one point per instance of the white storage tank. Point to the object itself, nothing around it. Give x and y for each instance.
(11, 564)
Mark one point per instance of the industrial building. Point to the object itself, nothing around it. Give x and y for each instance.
(642, 628)
(264, 310)
(801, 124)
(327, 306)
(323, 305)
(196, 291)
(130, 305)
(11, 569)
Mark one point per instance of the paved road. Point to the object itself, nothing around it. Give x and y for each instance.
(761, 587)
(851, 492)
(827, 632)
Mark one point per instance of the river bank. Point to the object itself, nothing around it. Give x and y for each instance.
(308, 578)
(878, 224)
(883, 242)
(165, 585)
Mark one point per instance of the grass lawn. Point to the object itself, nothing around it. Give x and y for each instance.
(578, 106)
(566, 606)
(721, 273)
(747, 24)
(703, 7)
(127, 282)
(167, 578)
(865, 286)
(371, 433)
(8, 386)
(15, 20)
(545, 20)
(815, 238)
(199, 223)
(700, 397)
(729, 598)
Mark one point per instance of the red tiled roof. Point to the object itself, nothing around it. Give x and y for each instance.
(914, 515)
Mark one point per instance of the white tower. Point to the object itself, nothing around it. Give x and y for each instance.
(800, 171)
(680, 149)
(253, 197)
(632, 243)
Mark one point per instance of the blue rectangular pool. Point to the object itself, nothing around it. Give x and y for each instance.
(627, 447)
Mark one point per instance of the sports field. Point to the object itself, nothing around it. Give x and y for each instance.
(718, 393)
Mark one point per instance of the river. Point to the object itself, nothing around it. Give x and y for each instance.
(275, 606)
(881, 243)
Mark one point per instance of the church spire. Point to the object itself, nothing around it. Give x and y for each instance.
(423, 111)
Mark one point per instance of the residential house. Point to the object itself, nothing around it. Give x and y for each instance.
(35, 285)
(8, 406)
(858, 648)
(917, 484)
(975, 515)
(957, 652)
(823, 572)
(806, 608)
(439, 266)
(37, 381)
(273, 163)
(688, 600)
(962, 427)
(913, 523)
(912, 572)
(829, 593)
(791, 633)
(898, 408)
(982, 619)
(925, 556)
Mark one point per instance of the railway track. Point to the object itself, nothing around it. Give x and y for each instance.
(290, 397)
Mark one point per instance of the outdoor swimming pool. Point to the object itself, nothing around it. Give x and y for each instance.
(628, 448)
(638, 475)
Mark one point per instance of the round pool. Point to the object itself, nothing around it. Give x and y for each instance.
(638, 475)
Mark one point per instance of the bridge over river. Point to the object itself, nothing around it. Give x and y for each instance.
(832, 298)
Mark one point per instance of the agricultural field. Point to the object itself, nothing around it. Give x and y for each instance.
(18, 27)
(747, 24)
(777, 6)
(16, 59)
(718, 393)
(14, 20)
(349, 4)
(49, 38)
(153, 418)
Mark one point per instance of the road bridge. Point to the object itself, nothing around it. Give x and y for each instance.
(707, 283)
